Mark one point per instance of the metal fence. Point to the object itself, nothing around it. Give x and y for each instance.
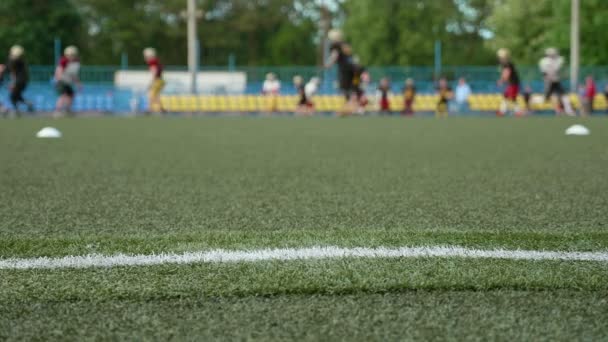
(481, 78)
(100, 94)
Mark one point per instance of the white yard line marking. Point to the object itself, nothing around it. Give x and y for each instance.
(283, 254)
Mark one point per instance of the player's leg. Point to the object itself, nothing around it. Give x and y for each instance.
(564, 97)
(346, 86)
(275, 103)
(154, 99)
(28, 104)
(17, 98)
(61, 105)
(514, 106)
(361, 100)
(552, 95)
(504, 103)
(161, 86)
(410, 107)
(349, 101)
(69, 98)
(442, 109)
(513, 92)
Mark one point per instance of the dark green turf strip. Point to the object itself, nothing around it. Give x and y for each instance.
(418, 315)
(298, 277)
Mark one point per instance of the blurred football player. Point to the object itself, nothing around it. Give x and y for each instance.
(67, 76)
(551, 66)
(311, 89)
(360, 82)
(587, 96)
(409, 96)
(383, 96)
(341, 54)
(304, 104)
(527, 95)
(3, 110)
(606, 93)
(17, 69)
(157, 83)
(510, 77)
(271, 89)
(445, 95)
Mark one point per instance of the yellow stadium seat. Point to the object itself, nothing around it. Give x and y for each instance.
(330, 103)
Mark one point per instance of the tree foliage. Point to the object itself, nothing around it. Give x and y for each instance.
(256, 32)
(404, 32)
(287, 32)
(528, 27)
(35, 24)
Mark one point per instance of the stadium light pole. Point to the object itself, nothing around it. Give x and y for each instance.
(574, 44)
(192, 16)
(325, 26)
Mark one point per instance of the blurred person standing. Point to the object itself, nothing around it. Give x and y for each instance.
(359, 84)
(304, 103)
(310, 90)
(271, 90)
(606, 95)
(17, 69)
(3, 110)
(67, 76)
(461, 96)
(527, 99)
(409, 96)
(445, 95)
(587, 96)
(157, 83)
(510, 77)
(383, 96)
(551, 66)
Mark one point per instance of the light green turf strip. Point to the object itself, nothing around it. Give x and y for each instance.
(21, 247)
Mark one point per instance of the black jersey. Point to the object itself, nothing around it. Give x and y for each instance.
(344, 53)
(345, 64)
(514, 77)
(18, 69)
(444, 94)
(384, 92)
(302, 93)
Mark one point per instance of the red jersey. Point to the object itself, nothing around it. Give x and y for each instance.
(63, 62)
(590, 90)
(155, 63)
(69, 69)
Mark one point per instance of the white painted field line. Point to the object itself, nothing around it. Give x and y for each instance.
(284, 254)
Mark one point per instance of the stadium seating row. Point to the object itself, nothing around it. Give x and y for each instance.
(328, 103)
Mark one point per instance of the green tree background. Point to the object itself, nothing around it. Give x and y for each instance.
(287, 32)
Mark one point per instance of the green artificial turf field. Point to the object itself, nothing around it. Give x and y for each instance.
(144, 186)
